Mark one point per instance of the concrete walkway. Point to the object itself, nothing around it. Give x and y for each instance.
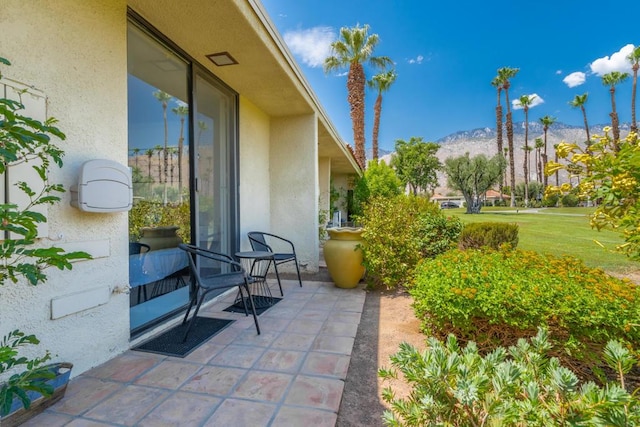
(290, 375)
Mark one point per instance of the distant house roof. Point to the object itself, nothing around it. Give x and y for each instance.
(493, 194)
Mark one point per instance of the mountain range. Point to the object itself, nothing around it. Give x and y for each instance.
(483, 141)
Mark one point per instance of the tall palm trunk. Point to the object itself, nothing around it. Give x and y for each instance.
(180, 149)
(545, 178)
(526, 157)
(376, 125)
(499, 139)
(614, 120)
(355, 87)
(555, 148)
(634, 125)
(166, 151)
(538, 165)
(512, 163)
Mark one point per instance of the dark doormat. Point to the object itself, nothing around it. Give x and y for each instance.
(170, 342)
(262, 304)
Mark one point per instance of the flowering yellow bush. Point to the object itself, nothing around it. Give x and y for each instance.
(611, 177)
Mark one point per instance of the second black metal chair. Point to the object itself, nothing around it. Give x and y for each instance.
(260, 242)
(212, 271)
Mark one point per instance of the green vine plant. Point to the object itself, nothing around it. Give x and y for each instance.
(29, 141)
(32, 378)
(25, 140)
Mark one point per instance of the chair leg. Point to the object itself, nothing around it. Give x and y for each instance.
(191, 302)
(253, 307)
(244, 301)
(275, 266)
(193, 318)
(295, 260)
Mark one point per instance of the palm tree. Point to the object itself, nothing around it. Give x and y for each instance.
(634, 58)
(354, 48)
(172, 152)
(539, 144)
(578, 102)
(159, 149)
(506, 155)
(381, 83)
(546, 122)
(497, 83)
(555, 148)
(505, 74)
(149, 154)
(164, 98)
(612, 79)
(525, 102)
(136, 151)
(181, 111)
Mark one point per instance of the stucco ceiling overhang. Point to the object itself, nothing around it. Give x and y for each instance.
(266, 73)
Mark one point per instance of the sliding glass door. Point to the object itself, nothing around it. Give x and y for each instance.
(182, 139)
(214, 149)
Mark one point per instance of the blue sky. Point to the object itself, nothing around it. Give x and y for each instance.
(446, 54)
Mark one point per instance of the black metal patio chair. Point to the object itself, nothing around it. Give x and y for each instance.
(261, 241)
(212, 271)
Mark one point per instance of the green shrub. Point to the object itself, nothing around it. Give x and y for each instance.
(521, 386)
(570, 200)
(151, 214)
(491, 234)
(496, 297)
(400, 231)
(551, 200)
(379, 180)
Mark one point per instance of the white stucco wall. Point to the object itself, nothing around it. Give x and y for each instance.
(324, 181)
(255, 204)
(75, 52)
(294, 185)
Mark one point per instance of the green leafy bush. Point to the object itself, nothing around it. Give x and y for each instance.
(492, 234)
(379, 180)
(400, 231)
(570, 200)
(521, 386)
(496, 297)
(551, 200)
(152, 214)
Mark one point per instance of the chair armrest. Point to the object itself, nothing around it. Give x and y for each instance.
(283, 240)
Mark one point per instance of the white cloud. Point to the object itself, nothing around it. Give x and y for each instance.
(417, 60)
(617, 62)
(575, 79)
(312, 45)
(558, 72)
(537, 100)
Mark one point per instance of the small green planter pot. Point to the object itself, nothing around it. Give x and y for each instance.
(344, 257)
(18, 415)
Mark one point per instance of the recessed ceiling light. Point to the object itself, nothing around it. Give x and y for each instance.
(222, 59)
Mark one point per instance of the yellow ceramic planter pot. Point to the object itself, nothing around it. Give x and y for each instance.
(343, 257)
(161, 237)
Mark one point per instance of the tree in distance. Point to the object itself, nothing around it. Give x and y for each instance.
(416, 164)
(473, 177)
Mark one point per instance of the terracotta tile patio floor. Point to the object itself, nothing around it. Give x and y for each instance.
(290, 375)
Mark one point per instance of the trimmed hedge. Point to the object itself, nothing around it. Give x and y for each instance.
(496, 297)
(491, 234)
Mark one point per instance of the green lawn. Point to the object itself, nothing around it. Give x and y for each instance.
(560, 231)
